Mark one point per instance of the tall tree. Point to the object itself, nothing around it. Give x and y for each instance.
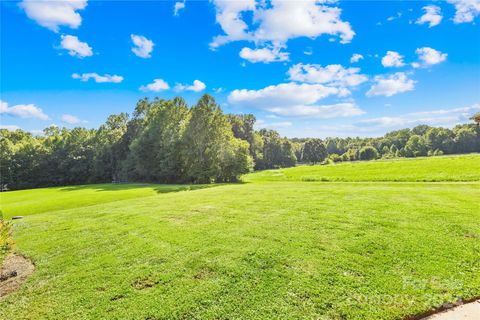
(314, 151)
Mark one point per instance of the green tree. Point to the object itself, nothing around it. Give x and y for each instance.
(466, 140)
(439, 138)
(368, 153)
(314, 151)
(208, 143)
(416, 147)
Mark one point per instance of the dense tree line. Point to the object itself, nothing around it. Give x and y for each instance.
(166, 141)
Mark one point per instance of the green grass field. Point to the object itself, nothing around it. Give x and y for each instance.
(437, 169)
(286, 244)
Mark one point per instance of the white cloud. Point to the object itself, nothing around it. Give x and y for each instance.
(308, 51)
(321, 111)
(379, 126)
(156, 86)
(395, 17)
(68, 118)
(391, 85)
(293, 99)
(260, 124)
(432, 16)
(75, 47)
(392, 59)
(278, 21)
(429, 56)
(23, 111)
(53, 14)
(334, 74)
(356, 57)
(98, 78)
(9, 127)
(283, 95)
(177, 7)
(441, 117)
(466, 10)
(265, 55)
(143, 47)
(197, 86)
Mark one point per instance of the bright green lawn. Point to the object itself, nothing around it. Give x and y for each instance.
(27, 202)
(272, 250)
(446, 168)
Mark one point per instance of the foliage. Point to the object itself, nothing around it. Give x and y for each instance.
(416, 147)
(368, 153)
(314, 151)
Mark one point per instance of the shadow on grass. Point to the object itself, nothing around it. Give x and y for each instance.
(159, 188)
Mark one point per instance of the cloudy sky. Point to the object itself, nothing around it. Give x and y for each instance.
(304, 68)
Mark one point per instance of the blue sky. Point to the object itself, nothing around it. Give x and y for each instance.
(304, 68)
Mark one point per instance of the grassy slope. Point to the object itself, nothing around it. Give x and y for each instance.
(27, 202)
(446, 168)
(258, 251)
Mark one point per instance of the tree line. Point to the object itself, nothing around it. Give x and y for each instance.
(166, 141)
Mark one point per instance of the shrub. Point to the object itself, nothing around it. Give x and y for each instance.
(335, 157)
(368, 153)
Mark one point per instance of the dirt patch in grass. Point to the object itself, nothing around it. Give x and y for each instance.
(13, 273)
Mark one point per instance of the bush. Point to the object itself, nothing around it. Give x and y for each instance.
(6, 242)
(368, 153)
(335, 157)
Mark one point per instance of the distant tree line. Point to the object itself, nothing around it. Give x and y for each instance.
(166, 141)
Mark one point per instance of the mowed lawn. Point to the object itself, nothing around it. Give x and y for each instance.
(272, 250)
(446, 168)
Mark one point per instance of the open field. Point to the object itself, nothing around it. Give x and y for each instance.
(445, 168)
(286, 248)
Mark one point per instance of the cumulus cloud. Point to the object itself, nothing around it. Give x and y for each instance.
(75, 47)
(294, 99)
(156, 86)
(197, 86)
(432, 16)
(392, 59)
(143, 47)
(283, 95)
(334, 74)
(465, 10)
(53, 14)
(429, 56)
(98, 78)
(278, 21)
(23, 111)
(68, 118)
(265, 55)
(391, 85)
(355, 58)
(177, 7)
